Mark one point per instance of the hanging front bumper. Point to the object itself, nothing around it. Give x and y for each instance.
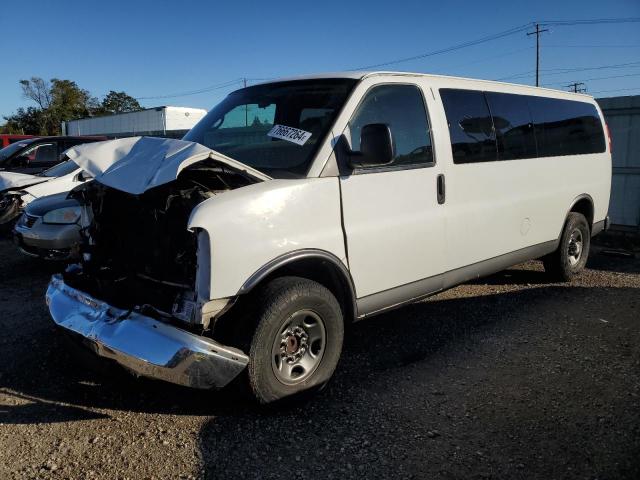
(143, 345)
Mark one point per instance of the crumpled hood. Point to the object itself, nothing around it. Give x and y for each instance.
(137, 164)
(11, 180)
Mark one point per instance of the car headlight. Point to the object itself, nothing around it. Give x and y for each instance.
(67, 215)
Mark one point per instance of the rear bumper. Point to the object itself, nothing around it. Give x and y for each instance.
(141, 344)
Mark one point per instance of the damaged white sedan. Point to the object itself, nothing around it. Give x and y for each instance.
(298, 205)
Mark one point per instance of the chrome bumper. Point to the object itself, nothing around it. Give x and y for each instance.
(141, 344)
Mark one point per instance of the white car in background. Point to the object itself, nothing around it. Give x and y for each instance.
(17, 190)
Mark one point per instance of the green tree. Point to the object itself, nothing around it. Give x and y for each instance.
(27, 121)
(58, 101)
(68, 102)
(118, 102)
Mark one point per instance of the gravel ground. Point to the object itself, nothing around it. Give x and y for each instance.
(508, 377)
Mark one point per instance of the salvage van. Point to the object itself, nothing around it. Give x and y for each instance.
(300, 205)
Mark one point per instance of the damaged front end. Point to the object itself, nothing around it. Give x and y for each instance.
(138, 251)
(141, 294)
(11, 206)
(143, 345)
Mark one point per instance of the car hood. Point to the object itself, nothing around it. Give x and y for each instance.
(10, 180)
(136, 164)
(42, 205)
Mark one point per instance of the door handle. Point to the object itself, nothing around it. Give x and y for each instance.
(441, 189)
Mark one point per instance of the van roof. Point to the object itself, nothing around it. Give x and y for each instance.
(359, 75)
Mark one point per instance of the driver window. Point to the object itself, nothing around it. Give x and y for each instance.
(402, 109)
(42, 155)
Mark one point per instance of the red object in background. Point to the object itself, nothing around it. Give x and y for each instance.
(7, 139)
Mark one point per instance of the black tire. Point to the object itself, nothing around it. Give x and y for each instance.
(565, 263)
(283, 300)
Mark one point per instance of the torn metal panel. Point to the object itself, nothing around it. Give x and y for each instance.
(137, 164)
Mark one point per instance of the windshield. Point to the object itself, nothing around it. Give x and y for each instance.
(61, 169)
(275, 128)
(6, 152)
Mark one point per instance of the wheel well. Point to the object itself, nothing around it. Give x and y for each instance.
(585, 207)
(319, 268)
(326, 274)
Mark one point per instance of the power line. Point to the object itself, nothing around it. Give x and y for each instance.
(492, 57)
(195, 92)
(617, 90)
(453, 48)
(601, 67)
(596, 78)
(499, 35)
(592, 21)
(560, 71)
(592, 46)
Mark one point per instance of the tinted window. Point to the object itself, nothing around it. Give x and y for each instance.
(470, 126)
(43, 155)
(61, 169)
(7, 152)
(566, 127)
(402, 109)
(513, 125)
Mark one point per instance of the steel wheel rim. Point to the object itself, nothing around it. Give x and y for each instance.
(298, 347)
(575, 247)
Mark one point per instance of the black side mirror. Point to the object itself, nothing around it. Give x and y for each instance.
(376, 147)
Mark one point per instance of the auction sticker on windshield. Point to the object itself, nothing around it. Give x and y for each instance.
(289, 134)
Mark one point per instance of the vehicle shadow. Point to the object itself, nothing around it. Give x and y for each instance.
(46, 378)
(411, 395)
(393, 379)
(614, 260)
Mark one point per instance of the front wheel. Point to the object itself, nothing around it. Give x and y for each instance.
(571, 256)
(297, 339)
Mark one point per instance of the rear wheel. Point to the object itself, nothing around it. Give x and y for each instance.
(571, 256)
(297, 339)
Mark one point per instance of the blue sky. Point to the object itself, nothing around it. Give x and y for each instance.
(153, 48)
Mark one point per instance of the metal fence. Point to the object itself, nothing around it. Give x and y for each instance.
(623, 118)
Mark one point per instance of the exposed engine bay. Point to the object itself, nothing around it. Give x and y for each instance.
(137, 251)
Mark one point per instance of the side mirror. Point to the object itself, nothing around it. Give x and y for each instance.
(376, 147)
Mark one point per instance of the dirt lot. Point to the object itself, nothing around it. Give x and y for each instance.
(508, 377)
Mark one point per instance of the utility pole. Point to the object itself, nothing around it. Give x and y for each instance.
(577, 87)
(246, 107)
(537, 33)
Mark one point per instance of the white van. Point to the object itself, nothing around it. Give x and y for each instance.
(299, 205)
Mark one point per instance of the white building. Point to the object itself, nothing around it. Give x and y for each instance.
(172, 122)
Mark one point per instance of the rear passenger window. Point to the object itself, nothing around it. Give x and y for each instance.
(513, 125)
(566, 127)
(470, 126)
(402, 109)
